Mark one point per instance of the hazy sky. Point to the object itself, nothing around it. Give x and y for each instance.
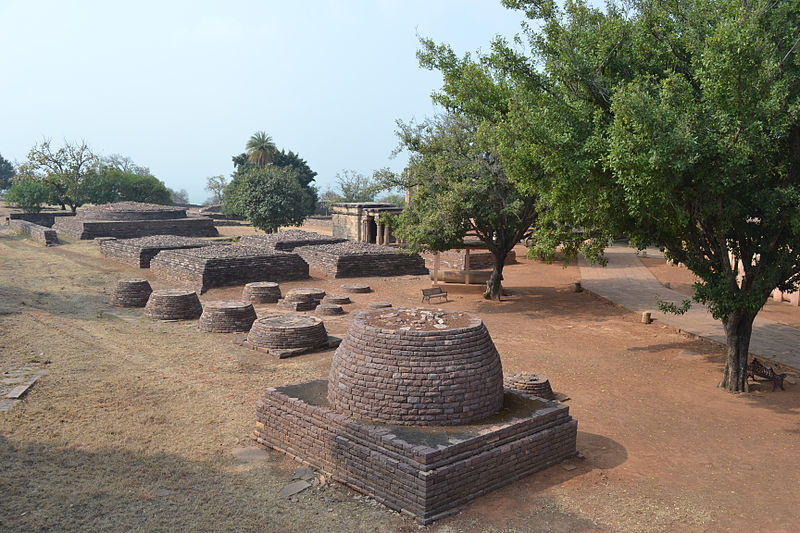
(180, 86)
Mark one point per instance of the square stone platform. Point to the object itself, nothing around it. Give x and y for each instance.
(428, 472)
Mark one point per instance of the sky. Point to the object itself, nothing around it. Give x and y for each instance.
(179, 87)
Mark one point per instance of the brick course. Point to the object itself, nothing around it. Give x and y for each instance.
(423, 471)
(139, 252)
(441, 377)
(358, 259)
(220, 265)
(34, 232)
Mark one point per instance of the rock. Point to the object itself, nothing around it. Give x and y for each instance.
(303, 473)
(293, 488)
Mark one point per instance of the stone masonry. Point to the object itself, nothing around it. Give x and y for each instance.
(34, 232)
(358, 259)
(220, 265)
(427, 472)
(393, 368)
(286, 241)
(139, 252)
(132, 219)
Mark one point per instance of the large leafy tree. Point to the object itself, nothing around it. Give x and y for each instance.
(243, 165)
(111, 184)
(460, 185)
(66, 170)
(272, 197)
(260, 149)
(677, 123)
(7, 173)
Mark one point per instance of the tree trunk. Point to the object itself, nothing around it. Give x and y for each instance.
(738, 330)
(63, 207)
(494, 287)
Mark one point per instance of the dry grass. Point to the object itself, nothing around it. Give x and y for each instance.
(134, 427)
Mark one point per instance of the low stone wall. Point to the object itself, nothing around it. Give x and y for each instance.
(127, 229)
(130, 211)
(454, 259)
(289, 240)
(43, 219)
(220, 265)
(34, 232)
(427, 472)
(139, 252)
(358, 259)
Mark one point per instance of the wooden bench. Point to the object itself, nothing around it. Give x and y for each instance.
(433, 292)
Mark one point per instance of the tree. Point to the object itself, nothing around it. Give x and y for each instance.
(7, 173)
(356, 187)
(305, 176)
(328, 198)
(393, 198)
(460, 185)
(125, 164)
(65, 169)
(272, 197)
(110, 184)
(260, 149)
(178, 197)
(280, 159)
(677, 123)
(29, 195)
(216, 186)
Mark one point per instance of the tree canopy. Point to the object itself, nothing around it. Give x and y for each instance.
(65, 169)
(260, 149)
(271, 197)
(7, 173)
(112, 184)
(676, 123)
(460, 185)
(243, 165)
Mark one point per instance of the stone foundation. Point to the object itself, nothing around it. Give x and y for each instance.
(43, 218)
(173, 304)
(124, 229)
(427, 472)
(34, 232)
(287, 241)
(131, 293)
(356, 259)
(139, 252)
(220, 265)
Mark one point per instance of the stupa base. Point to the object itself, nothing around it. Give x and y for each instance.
(427, 472)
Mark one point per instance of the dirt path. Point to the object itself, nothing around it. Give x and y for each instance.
(135, 425)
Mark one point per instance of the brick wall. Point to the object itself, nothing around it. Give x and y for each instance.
(186, 227)
(429, 482)
(34, 232)
(202, 273)
(439, 377)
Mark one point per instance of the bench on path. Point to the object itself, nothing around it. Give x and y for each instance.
(433, 292)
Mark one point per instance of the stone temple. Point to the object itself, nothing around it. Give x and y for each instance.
(414, 414)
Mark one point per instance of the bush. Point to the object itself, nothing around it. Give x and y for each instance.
(28, 195)
(270, 197)
(113, 185)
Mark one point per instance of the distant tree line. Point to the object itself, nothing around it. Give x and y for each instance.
(72, 175)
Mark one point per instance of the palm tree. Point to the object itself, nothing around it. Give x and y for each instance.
(260, 149)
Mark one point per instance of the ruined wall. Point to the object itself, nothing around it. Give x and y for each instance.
(34, 232)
